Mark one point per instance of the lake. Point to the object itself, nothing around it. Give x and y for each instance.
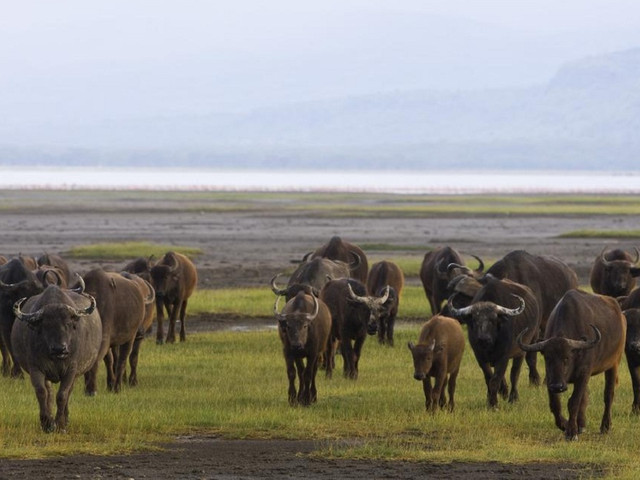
(402, 182)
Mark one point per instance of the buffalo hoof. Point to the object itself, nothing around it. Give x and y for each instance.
(159, 341)
(92, 393)
(572, 438)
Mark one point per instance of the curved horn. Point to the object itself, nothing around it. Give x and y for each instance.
(12, 285)
(152, 293)
(85, 311)
(584, 344)
(276, 313)
(275, 289)
(81, 286)
(451, 266)
(480, 268)
(357, 298)
(55, 273)
(635, 262)
(306, 256)
(534, 347)
(30, 318)
(316, 309)
(441, 273)
(602, 259)
(459, 312)
(173, 266)
(384, 297)
(512, 312)
(357, 260)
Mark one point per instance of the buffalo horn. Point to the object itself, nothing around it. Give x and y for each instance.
(602, 259)
(451, 266)
(442, 273)
(459, 312)
(480, 268)
(85, 311)
(512, 312)
(584, 344)
(30, 318)
(275, 289)
(316, 309)
(152, 293)
(12, 285)
(357, 297)
(81, 286)
(637, 255)
(356, 260)
(534, 347)
(384, 297)
(55, 274)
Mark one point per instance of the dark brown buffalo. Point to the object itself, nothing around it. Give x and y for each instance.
(16, 281)
(632, 352)
(174, 279)
(354, 315)
(141, 266)
(149, 295)
(438, 268)
(547, 276)
(304, 326)
(338, 249)
(381, 275)
(438, 354)
(121, 306)
(613, 272)
(57, 336)
(58, 263)
(29, 262)
(313, 274)
(585, 336)
(500, 311)
(48, 275)
(630, 301)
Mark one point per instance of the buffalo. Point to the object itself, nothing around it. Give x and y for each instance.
(613, 272)
(500, 311)
(354, 315)
(382, 275)
(338, 249)
(585, 336)
(16, 281)
(174, 279)
(304, 326)
(438, 354)
(311, 275)
(49, 261)
(630, 301)
(57, 336)
(121, 305)
(632, 352)
(141, 266)
(438, 268)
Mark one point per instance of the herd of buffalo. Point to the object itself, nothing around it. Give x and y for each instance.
(523, 304)
(56, 325)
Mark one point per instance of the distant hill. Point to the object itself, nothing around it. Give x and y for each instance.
(587, 116)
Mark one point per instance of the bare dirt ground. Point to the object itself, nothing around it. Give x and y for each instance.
(246, 249)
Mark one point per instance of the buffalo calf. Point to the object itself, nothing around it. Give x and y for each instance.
(438, 354)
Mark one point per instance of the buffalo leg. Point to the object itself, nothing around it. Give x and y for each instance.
(62, 401)
(437, 395)
(453, 377)
(532, 361)
(610, 377)
(160, 306)
(124, 351)
(111, 376)
(330, 356)
(516, 365)
(556, 408)
(302, 386)
(634, 370)
(6, 358)
(291, 376)
(44, 394)
(582, 412)
(391, 321)
(575, 401)
(173, 316)
(133, 360)
(348, 359)
(382, 330)
(357, 350)
(183, 312)
(426, 387)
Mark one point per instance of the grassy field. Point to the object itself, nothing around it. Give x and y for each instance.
(234, 384)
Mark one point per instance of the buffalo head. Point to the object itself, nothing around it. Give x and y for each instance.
(375, 305)
(618, 274)
(295, 323)
(422, 358)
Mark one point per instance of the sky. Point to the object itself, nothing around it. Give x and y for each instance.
(76, 61)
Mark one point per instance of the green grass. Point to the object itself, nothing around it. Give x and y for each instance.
(601, 234)
(234, 384)
(125, 250)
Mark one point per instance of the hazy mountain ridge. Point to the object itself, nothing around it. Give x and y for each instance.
(586, 116)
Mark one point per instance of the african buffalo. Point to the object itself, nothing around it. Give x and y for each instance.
(304, 326)
(438, 268)
(56, 336)
(149, 295)
(338, 249)
(547, 276)
(613, 272)
(354, 315)
(174, 279)
(499, 312)
(585, 336)
(16, 281)
(121, 305)
(58, 263)
(381, 275)
(632, 352)
(438, 354)
(313, 274)
(141, 266)
(630, 301)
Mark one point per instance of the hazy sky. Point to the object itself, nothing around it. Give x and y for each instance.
(82, 60)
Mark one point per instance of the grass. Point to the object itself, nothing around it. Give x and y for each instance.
(128, 250)
(601, 234)
(234, 384)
